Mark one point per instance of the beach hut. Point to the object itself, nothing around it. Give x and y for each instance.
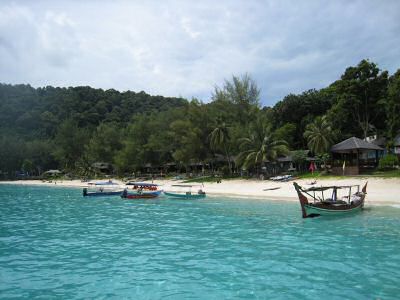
(382, 142)
(290, 163)
(103, 167)
(52, 173)
(396, 149)
(354, 156)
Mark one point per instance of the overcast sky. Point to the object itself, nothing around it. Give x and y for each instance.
(185, 48)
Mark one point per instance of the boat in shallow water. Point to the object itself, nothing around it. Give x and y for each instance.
(102, 189)
(330, 200)
(185, 192)
(141, 190)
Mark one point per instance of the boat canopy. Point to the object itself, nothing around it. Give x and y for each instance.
(186, 185)
(324, 188)
(103, 183)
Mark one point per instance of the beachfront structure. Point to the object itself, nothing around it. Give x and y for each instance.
(209, 166)
(103, 168)
(52, 173)
(288, 163)
(382, 142)
(396, 149)
(354, 156)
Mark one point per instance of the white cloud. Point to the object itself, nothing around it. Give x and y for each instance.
(185, 48)
(187, 27)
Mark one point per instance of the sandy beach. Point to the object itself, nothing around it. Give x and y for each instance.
(381, 191)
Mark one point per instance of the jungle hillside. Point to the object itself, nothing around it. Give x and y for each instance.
(72, 129)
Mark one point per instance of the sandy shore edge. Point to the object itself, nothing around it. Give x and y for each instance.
(381, 191)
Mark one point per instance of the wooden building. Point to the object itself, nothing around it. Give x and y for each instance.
(354, 156)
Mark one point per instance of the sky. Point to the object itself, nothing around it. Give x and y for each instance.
(187, 48)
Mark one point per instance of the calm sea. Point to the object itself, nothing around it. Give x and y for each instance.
(55, 244)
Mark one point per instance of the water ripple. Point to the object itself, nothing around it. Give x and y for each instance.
(56, 244)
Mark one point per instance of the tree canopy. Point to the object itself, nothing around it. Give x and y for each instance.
(71, 128)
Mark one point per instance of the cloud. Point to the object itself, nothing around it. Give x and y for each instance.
(183, 48)
(33, 47)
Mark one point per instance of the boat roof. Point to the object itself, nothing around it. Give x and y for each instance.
(141, 184)
(186, 185)
(324, 188)
(103, 183)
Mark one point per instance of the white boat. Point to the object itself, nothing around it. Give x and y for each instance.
(102, 188)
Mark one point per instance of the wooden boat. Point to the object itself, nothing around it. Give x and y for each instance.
(187, 193)
(141, 190)
(102, 189)
(339, 201)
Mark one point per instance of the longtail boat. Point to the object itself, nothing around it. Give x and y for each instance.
(141, 190)
(186, 193)
(330, 200)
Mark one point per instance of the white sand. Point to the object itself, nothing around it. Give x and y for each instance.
(380, 191)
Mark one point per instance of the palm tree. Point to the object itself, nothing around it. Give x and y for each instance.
(259, 147)
(319, 135)
(219, 139)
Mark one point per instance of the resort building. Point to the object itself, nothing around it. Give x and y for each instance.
(354, 156)
(396, 149)
(381, 142)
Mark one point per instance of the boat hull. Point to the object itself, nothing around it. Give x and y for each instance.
(142, 195)
(184, 196)
(312, 210)
(330, 207)
(102, 194)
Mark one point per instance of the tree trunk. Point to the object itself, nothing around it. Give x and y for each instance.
(229, 160)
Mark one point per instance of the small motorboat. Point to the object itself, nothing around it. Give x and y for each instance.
(102, 189)
(141, 190)
(330, 200)
(186, 192)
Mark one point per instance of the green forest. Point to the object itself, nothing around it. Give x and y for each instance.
(71, 129)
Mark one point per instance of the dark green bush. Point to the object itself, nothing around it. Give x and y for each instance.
(225, 170)
(389, 161)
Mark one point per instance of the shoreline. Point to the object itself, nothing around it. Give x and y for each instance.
(381, 191)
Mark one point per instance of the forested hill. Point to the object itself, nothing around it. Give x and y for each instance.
(32, 113)
(73, 128)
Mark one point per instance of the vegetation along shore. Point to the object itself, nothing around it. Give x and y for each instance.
(83, 132)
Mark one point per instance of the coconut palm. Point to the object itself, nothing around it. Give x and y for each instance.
(319, 135)
(259, 147)
(219, 139)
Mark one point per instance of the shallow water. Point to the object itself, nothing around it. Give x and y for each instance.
(56, 244)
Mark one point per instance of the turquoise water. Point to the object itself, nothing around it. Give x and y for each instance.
(56, 244)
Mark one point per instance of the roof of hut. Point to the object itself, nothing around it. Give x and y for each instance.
(354, 143)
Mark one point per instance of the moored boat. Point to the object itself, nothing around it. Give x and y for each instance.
(102, 189)
(141, 190)
(330, 200)
(186, 192)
